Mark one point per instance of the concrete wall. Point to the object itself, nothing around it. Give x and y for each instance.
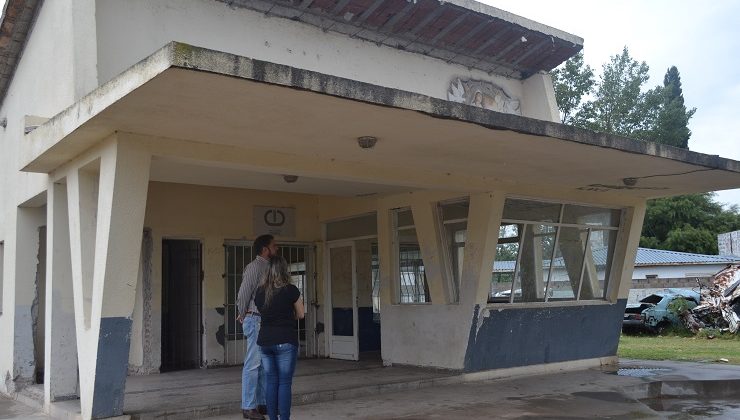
(677, 271)
(130, 30)
(44, 83)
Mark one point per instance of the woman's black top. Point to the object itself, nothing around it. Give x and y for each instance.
(279, 325)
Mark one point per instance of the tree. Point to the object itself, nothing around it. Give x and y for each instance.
(572, 82)
(687, 223)
(672, 126)
(620, 106)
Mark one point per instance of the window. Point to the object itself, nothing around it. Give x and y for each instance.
(453, 217)
(413, 286)
(553, 252)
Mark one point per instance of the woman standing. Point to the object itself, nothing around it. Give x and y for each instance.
(280, 305)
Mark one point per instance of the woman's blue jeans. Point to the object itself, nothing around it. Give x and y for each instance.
(278, 362)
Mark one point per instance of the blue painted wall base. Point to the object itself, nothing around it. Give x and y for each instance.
(530, 336)
(112, 367)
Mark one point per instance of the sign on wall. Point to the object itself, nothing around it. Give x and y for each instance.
(277, 221)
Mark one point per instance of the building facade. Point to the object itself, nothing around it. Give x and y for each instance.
(393, 147)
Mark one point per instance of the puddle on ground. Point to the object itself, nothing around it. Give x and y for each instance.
(691, 408)
(638, 371)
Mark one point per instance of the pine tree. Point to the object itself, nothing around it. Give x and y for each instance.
(673, 119)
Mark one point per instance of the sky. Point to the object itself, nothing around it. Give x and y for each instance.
(701, 38)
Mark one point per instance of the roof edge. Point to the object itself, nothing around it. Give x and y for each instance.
(181, 55)
(16, 24)
(530, 24)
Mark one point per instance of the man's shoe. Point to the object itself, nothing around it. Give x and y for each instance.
(252, 414)
(262, 409)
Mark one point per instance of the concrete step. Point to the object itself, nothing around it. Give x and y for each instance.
(32, 396)
(321, 388)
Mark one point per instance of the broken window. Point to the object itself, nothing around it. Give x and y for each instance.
(553, 252)
(413, 286)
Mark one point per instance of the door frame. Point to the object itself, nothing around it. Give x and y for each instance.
(201, 303)
(328, 311)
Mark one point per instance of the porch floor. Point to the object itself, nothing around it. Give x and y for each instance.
(201, 393)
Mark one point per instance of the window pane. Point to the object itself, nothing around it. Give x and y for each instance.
(454, 217)
(594, 216)
(598, 264)
(503, 272)
(413, 284)
(531, 210)
(455, 210)
(455, 237)
(340, 276)
(376, 282)
(534, 263)
(508, 230)
(567, 264)
(355, 227)
(404, 218)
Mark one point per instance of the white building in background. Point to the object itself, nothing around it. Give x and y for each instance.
(729, 243)
(384, 143)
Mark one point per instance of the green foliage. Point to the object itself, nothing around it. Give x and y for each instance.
(687, 223)
(572, 82)
(620, 106)
(678, 306)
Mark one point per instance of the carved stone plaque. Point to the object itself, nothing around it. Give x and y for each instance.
(484, 95)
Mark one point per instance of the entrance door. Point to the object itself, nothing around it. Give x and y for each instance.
(343, 294)
(181, 304)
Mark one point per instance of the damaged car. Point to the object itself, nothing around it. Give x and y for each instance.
(653, 312)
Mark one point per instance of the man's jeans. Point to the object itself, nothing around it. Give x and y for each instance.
(279, 364)
(253, 375)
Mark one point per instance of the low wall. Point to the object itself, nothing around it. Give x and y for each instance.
(510, 337)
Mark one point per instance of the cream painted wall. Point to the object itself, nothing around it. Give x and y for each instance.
(44, 83)
(211, 215)
(215, 25)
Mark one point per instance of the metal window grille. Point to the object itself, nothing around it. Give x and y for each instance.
(414, 287)
(237, 255)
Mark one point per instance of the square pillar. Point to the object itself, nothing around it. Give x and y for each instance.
(60, 353)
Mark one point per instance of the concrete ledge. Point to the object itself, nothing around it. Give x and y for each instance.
(531, 370)
(46, 149)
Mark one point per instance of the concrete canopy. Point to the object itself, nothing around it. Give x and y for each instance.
(200, 104)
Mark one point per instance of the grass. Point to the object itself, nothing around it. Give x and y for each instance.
(680, 346)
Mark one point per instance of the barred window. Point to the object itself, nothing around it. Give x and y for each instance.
(413, 286)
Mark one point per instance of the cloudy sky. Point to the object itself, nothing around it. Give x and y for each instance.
(702, 39)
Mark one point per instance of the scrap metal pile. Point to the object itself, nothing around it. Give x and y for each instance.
(720, 303)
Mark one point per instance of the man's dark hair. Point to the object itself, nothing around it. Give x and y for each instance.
(262, 242)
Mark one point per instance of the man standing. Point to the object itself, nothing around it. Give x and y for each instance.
(253, 377)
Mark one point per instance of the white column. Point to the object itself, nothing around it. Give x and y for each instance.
(60, 353)
(484, 219)
(626, 252)
(106, 271)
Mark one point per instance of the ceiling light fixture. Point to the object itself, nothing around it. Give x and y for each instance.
(290, 178)
(367, 142)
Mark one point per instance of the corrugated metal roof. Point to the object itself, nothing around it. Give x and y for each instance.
(645, 257)
(465, 32)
